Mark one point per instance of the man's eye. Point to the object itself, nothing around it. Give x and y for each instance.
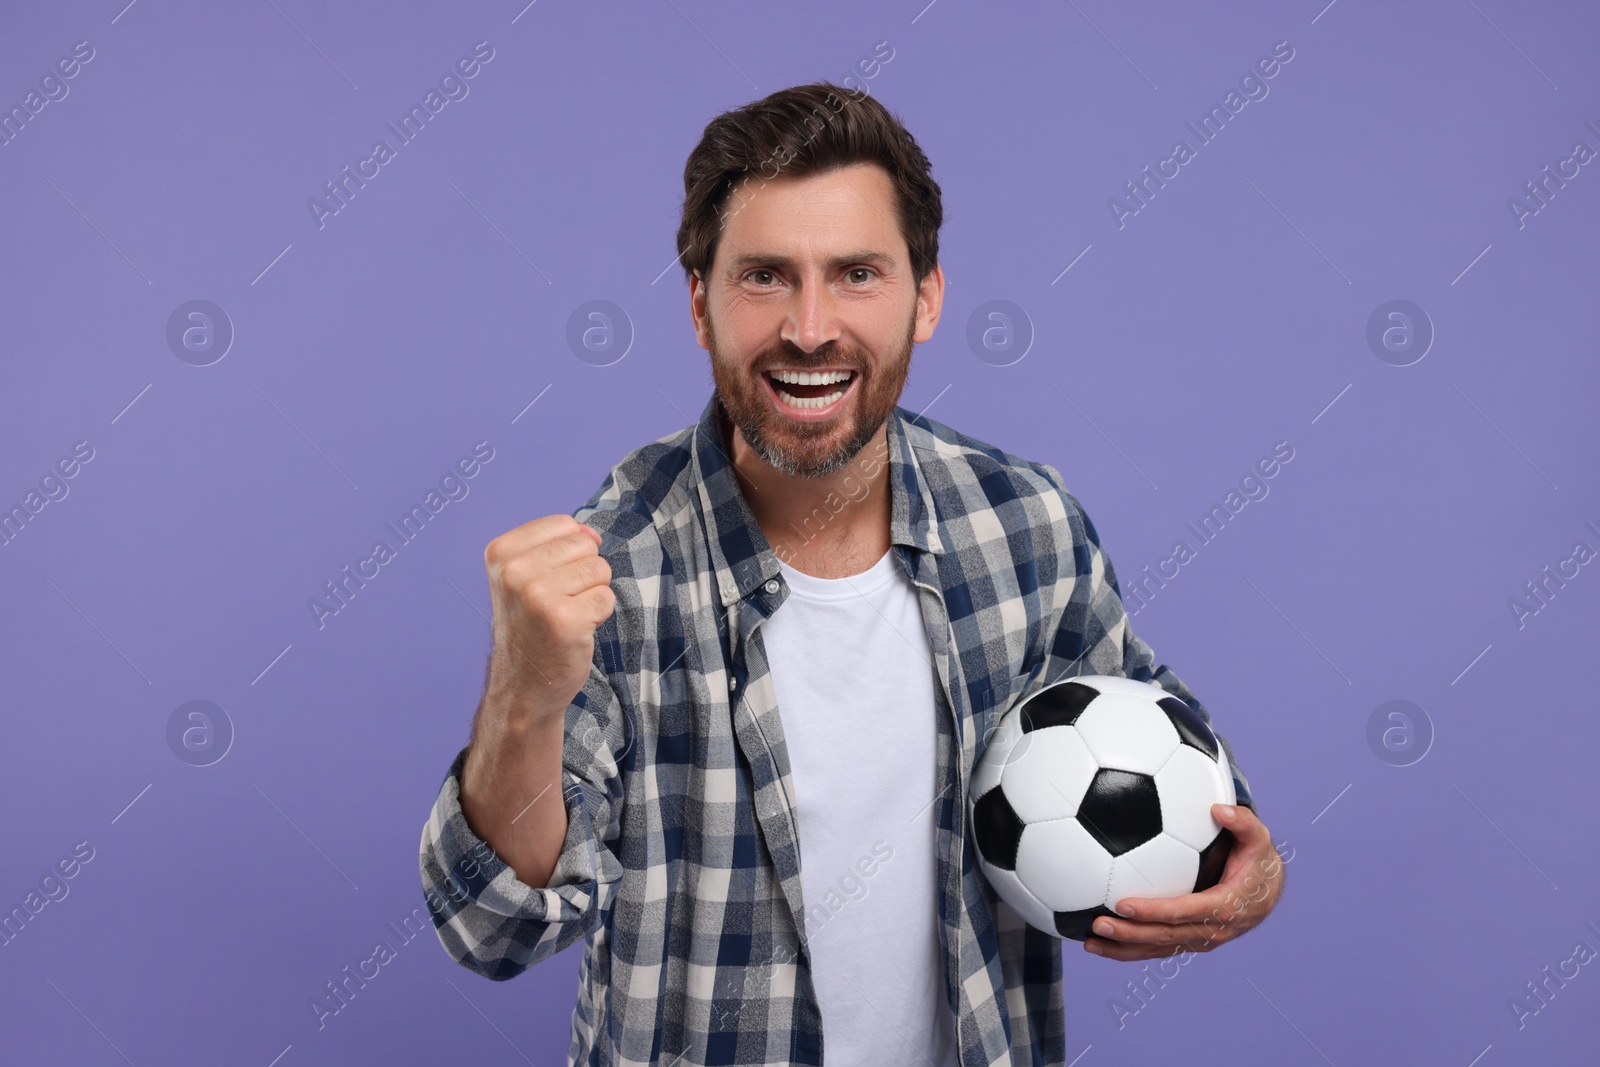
(861, 270)
(754, 273)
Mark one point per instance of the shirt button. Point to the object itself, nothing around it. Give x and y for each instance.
(733, 683)
(772, 585)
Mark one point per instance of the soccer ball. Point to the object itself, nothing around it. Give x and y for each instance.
(1095, 789)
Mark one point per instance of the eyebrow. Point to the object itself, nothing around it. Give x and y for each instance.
(744, 262)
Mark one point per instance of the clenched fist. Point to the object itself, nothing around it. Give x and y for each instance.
(551, 591)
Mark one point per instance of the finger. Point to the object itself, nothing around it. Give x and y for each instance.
(597, 603)
(537, 531)
(1162, 935)
(1249, 901)
(1132, 953)
(1240, 891)
(531, 535)
(545, 560)
(574, 545)
(1186, 908)
(1246, 828)
(578, 576)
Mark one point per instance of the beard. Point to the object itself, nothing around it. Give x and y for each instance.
(810, 449)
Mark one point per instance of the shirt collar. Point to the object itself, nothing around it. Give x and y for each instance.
(740, 554)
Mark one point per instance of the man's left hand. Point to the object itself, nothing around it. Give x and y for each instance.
(1250, 887)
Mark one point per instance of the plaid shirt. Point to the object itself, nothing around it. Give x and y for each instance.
(681, 863)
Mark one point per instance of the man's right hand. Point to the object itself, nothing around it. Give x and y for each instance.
(550, 590)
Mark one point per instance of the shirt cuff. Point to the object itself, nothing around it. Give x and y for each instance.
(485, 916)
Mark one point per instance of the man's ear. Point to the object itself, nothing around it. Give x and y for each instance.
(697, 310)
(930, 302)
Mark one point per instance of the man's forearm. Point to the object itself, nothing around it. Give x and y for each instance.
(511, 790)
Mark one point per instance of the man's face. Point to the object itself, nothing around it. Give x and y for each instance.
(812, 276)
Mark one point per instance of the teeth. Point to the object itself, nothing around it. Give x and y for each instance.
(795, 377)
(809, 401)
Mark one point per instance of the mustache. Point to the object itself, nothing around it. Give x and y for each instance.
(791, 357)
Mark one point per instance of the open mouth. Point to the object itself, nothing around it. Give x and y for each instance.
(810, 390)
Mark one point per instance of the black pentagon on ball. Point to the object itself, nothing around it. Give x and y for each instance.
(996, 829)
(1059, 705)
(1213, 858)
(1192, 729)
(1121, 810)
(1075, 924)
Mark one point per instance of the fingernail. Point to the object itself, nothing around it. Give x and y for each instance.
(1229, 812)
(1103, 928)
(1127, 910)
(1090, 946)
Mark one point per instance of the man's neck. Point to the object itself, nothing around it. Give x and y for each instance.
(834, 526)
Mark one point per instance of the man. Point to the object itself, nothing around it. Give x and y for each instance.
(765, 889)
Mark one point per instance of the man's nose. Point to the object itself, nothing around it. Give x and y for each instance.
(813, 318)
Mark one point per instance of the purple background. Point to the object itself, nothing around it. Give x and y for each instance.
(1229, 314)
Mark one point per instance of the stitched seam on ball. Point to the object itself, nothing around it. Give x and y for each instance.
(1041, 822)
(1168, 760)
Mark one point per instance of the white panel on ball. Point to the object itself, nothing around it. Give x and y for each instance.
(1127, 732)
(1048, 773)
(1161, 867)
(1188, 785)
(1063, 866)
(1009, 887)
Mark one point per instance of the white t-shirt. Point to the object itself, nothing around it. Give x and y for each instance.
(854, 677)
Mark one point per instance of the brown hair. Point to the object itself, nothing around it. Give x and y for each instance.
(797, 132)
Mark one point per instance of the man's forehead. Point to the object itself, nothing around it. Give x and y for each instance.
(829, 215)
